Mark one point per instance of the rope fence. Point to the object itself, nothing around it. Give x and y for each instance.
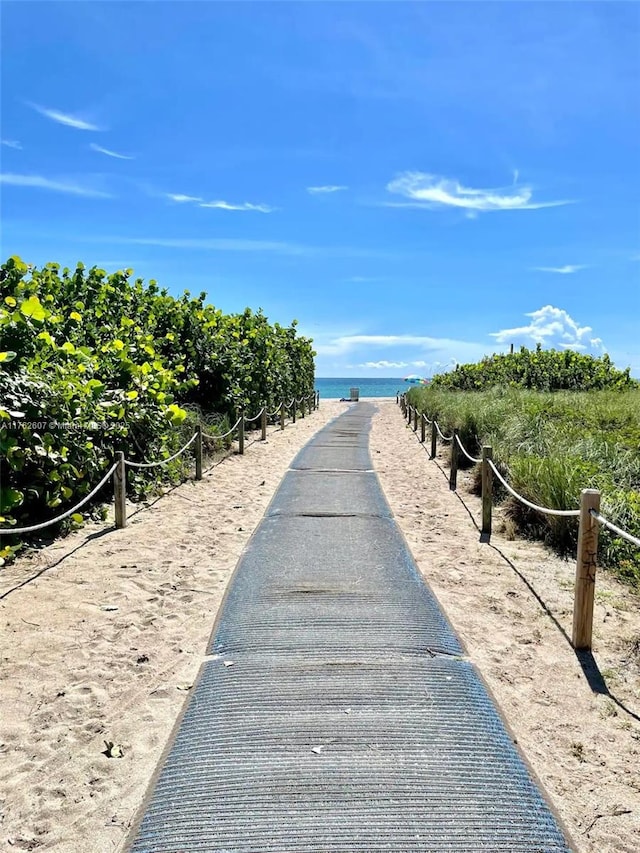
(224, 434)
(568, 513)
(119, 467)
(588, 515)
(466, 453)
(614, 528)
(131, 464)
(86, 498)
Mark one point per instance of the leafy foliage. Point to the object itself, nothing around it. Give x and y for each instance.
(91, 363)
(542, 370)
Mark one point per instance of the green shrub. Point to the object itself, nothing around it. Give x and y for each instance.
(92, 363)
(542, 370)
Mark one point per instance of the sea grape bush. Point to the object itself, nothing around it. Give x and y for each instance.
(539, 369)
(91, 363)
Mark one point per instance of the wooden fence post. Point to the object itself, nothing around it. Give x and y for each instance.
(120, 490)
(263, 423)
(487, 489)
(283, 415)
(453, 473)
(415, 420)
(317, 399)
(434, 440)
(423, 427)
(302, 402)
(293, 414)
(199, 452)
(397, 397)
(408, 414)
(241, 433)
(585, 570)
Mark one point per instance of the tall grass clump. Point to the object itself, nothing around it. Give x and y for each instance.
(551, 445)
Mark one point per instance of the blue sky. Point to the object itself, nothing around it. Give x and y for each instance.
(416, 183)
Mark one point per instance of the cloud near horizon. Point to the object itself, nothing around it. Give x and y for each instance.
(553, 328)
(55, 185)
(441, 350)
(64, 118)
(433, 191)
(383, 364)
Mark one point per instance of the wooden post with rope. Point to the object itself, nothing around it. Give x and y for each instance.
(434, 440)
(453, 473)
(120, 490)
(198, 452)
(586, 565)
(487, 489)
(241, 433)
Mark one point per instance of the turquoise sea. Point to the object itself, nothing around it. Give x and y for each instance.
(332, 388)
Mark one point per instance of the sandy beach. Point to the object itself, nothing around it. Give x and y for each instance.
(103, 633)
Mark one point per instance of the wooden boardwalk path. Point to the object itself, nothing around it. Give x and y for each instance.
(335, 711)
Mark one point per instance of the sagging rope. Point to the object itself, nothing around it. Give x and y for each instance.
(255, 418)
(439, 431)
(162, 461)
(545, 510)
(224, 434)
(466, 453)
(33, 527)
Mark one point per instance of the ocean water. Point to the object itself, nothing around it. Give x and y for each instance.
(332, 389)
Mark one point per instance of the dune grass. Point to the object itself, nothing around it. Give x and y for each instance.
(551, 445)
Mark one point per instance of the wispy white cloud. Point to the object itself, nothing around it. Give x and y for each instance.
(551, 327)
(225, 205)
(215, 244)
(55, 185)
(361, 279)
(109, 153)
(219, 204)
(329, 188)
(64, 118)
(567, 269)
(233, 244)
(433, 191)
(11, 143)
(180, 198)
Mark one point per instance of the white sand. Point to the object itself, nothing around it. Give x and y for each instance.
(75, 675)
